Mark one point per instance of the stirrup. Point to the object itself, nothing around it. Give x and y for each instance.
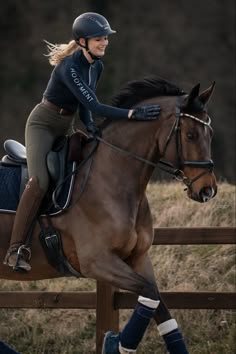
(21, 255)
(21, 250)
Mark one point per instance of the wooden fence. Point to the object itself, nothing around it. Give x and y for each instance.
(108, 300)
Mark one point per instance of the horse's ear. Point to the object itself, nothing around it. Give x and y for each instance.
(205, 96)
(194, 93)
(191, 97)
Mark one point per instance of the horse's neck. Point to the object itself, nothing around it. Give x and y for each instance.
(119, 172)
(132, 137)
(140, 137)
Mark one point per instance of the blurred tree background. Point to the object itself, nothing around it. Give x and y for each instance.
(186, 42)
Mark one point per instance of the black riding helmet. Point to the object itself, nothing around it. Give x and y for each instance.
(89, 25)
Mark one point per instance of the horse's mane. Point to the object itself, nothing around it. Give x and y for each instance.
(137, 90)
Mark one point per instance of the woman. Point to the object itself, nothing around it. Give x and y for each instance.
(71, 87)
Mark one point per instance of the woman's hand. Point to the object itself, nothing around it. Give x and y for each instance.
(93, 129)
(149, 112)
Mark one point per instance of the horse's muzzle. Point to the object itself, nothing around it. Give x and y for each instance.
(205, 194)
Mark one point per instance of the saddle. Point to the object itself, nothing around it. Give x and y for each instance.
(62, 162)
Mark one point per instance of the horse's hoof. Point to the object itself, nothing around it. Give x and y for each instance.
(111, 343)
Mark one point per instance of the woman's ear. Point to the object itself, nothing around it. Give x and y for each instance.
(81, 42)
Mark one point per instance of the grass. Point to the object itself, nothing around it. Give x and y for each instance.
(177, 268)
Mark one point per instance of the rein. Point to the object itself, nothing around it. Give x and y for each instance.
(166, 166)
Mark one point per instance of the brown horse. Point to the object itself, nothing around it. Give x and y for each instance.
(107, 232)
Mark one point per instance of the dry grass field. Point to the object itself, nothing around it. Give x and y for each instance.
(177, 268)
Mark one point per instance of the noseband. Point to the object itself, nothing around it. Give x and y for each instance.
(176, 172)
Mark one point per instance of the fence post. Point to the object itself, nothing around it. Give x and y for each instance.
(107, 318)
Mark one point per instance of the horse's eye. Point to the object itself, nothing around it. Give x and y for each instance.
(190, 136)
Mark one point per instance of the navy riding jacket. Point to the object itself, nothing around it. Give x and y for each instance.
(73, 84)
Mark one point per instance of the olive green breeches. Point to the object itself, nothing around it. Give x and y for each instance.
(43, 127)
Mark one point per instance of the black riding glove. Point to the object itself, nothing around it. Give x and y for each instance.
(146, 112)
(93, 129)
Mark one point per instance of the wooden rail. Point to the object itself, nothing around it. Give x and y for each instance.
(195, 236)
(121, 300)
(107, 300)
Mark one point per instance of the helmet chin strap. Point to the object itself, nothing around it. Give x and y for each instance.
(94, 57)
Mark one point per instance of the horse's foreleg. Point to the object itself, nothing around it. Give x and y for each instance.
(112, 269)
(143, 266)
(170, 332)
(133, 332)
(166, 325)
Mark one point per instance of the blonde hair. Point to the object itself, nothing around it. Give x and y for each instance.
(57, 52)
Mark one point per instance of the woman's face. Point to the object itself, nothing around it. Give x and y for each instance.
(97, 45)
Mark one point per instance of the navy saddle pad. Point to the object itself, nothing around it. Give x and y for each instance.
(10, 177)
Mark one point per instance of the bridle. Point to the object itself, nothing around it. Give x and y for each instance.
(176, 172)
(175, 131)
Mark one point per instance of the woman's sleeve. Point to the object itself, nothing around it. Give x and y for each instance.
(88, 98)
(85, 115)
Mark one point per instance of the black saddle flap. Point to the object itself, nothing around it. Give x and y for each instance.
(76, 144)
(56, 159)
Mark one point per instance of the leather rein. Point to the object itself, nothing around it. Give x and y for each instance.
(176, 172)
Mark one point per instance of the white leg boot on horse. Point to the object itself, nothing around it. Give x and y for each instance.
(18, 254)
(171, 334)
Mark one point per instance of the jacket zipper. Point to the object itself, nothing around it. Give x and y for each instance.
(90, 74)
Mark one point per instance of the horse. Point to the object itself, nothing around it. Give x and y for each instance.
(107, 230)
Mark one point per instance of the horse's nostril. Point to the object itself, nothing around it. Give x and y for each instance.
(207, 193)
